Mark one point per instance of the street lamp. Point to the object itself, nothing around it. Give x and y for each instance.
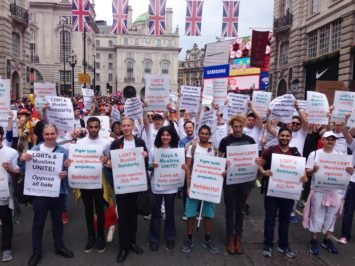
(94, 83)
(72, 61)
(116, 83)
(63, 43)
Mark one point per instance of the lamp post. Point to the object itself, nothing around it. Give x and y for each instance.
(116, 84)
(94, 83)
(72, 61)
(63, 43)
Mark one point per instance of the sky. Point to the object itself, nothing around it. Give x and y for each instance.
(253, 14)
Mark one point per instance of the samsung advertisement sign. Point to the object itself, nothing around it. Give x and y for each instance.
(220, 71)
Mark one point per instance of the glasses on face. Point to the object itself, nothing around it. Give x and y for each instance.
(296, 124)
(149, 115)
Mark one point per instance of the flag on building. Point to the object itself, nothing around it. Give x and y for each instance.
(193, 18)
(120, 16)
(230, 18)
(80, 15)
(156, 23)
(259, 42)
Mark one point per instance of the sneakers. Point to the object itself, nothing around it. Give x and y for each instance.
(328, 245)
(287, 252)
(65, 217)
(210, 247)
(293, 219)
(147, 217)
(343, 241)
(6, 255)
(267, 251)
(184, 218)
(258, 183)
(100, 245)
(313, 247)
(90, 245)
(187, 246)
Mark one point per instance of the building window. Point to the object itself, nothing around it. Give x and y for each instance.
(67, 76)
(110, 56)
(336, 30)
(15, 49)
(65, 46)
(283, 60)
(312, 43)
(110, 66)
(147, 67)
(97, 43)
(324, 35)
(165, 68)
(110, 79)
(97, 55)
(97, 65)
(284, 7)
(110, 43)
(65, 20)
(314, 7)
(130, 70)
(32, 17)
(97, 77)
(33, 46)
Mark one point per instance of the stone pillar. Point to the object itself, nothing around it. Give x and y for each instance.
(169, 20)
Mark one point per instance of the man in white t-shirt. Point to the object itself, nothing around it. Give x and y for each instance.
(340, 145)
(254, 124)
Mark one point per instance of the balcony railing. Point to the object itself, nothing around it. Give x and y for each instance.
(283, 23)
(19, 13)
(34, 59)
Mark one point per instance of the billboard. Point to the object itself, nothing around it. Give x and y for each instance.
(220, 71)
(241, 67)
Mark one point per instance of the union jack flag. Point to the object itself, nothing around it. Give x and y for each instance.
(230, 18)
(193, 18)
(80, 15)
(156, 23)
(120, 16)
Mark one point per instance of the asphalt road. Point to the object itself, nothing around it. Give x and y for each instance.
(75, 237)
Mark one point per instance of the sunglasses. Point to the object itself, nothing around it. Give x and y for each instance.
(149, 115)
(296, 124)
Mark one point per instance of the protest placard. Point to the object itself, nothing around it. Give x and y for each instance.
(85, 170)
(169, 173)
(190, 98)
(41, 90)
(4, 176)
(60, 113)
(261, 101)
(207, 180)
(351, 121)
(243, 167)
(105, 125)
(329, 87)
(332, 172)
(207, 93)
(317, 108)
(285, 181)
(4, 121)
(115, 114)
(208, 118)
(42, 174)
(5, 95)
(133, 108)
(157, 89)
(220, 91)
(128, 170)
(237, 104)
(343, 104)
(88, 96)
(282, 108)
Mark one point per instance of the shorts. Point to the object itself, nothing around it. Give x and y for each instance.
(192, 205)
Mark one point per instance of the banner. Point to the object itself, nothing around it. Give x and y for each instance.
(207, 180)
(41, 90)
(317, 108)
(5, 95)
(219, 91)
(282, 108)
(157, 89)
(128, 169)
(261, 101)
(259, 41)
(332, 172)
(60, 113)
(115, 114)
(85, 170)
(169, 173)
(237, 104)
(88, 96)
(42, 174)
(4, 176)
(207, 94)
(243, 167)
(343, 103)
(190, 98)
(329, 87)
(133, 108)
(286, 173)
(105, 125)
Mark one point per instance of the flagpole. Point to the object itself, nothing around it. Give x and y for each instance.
(84, 54)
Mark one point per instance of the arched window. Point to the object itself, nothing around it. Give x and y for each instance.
(65, 46)
(165, 68)
(130, 71)
(147, 67)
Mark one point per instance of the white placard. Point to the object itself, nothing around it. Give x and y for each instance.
(128, 169)
(105, 125)
(286, 173)
(243, 167)
(115, 114)
(261, 101)
(169, 173)
(157, 89)
(4, 177)
(88, 96)
(60, 113)
(343, 104)
(351, 120)
(237, 104)
(5, 96)
(42, 174)
(317, 108)
(3, 122)
(41, 90)
(85, 170)
(208, 118)
(133, 108)
(282, 108)
(207, 94)
(220, 91)
(207, 180)
(332, 172)
(190, 98)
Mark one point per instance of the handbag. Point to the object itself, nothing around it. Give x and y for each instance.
(144, 203)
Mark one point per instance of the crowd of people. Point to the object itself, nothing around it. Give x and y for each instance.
(168, 129)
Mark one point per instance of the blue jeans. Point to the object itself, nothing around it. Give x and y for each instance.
(349, 207)
(284, 207)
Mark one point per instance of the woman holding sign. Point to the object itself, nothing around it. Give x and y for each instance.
(167, 138)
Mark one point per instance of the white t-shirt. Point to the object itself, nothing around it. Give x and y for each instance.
(103, 142)
(298, 139)
(44, 148)
(254, 133)
(12, 156)
(128, 144)
(340, 144)
(200, 150)
(313, 160)
(219, 134)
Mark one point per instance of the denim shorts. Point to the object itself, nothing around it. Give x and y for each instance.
(192, 205)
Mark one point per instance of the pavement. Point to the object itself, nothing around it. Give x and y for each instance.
(75, 237)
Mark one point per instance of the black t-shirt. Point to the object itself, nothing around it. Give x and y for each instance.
(231, 140)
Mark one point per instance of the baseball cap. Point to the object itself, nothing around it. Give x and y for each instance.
(328, 134)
